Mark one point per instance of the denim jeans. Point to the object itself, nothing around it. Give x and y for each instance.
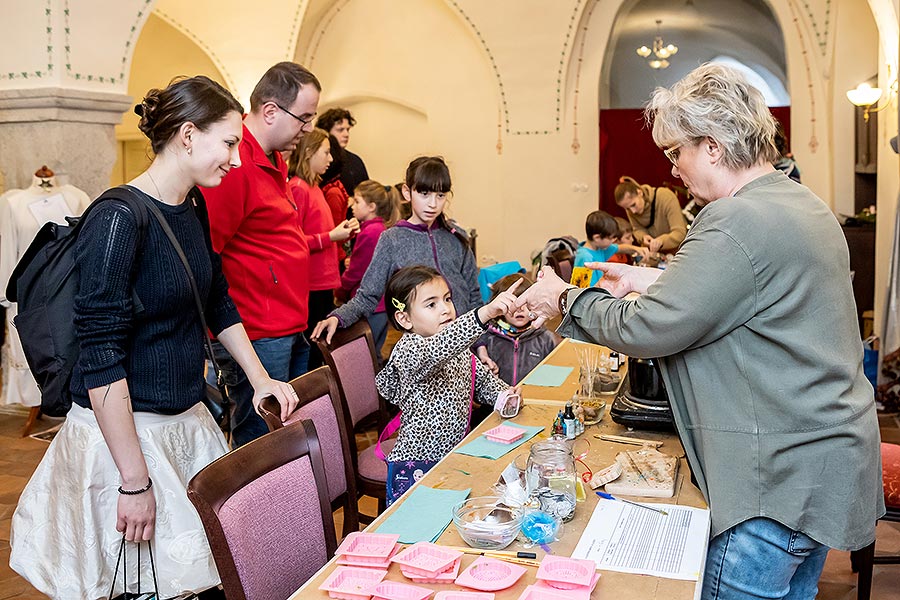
(761, 558)
(378, 323)
(284, 358)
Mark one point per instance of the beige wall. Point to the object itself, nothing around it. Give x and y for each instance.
(162, 53)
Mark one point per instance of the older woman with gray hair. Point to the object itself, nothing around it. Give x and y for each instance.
(756, 327)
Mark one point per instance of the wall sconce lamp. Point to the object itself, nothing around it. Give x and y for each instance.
(867, 96)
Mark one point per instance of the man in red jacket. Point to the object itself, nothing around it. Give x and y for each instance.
(256, 229)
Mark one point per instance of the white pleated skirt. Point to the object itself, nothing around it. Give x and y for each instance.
(64, 539)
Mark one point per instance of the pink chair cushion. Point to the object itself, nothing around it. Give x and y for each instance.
(321, 412)
(275, 532)
(370, 466)
(357, 376)
(890, 473)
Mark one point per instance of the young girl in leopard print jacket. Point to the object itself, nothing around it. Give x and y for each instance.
(431, 374)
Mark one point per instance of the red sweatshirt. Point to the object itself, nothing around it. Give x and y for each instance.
(256, 229)
(317, 223)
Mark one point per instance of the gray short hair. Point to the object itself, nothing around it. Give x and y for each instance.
(715, 101)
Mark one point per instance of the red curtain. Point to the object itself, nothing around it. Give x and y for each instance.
(627, 148)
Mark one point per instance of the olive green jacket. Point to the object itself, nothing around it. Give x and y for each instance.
(761, 354)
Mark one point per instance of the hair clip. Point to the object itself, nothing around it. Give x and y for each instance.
(401, 306)
(388, 188)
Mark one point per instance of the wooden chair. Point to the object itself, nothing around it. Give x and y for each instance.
(561, 262)
(863, 561)
(266, 513)
(320, 402)
(351, 356)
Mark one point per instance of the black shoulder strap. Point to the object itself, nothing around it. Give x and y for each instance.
(154, 210)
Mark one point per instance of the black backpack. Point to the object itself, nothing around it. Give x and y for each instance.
(44, 285)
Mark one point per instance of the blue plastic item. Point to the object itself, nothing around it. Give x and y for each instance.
(540, 527)
(488, 275)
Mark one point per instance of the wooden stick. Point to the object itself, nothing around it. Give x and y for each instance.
(509, 557)
(629, 440)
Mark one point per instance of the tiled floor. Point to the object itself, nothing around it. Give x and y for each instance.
(19, 456)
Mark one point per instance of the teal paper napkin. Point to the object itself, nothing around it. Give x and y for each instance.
(485, 448)
(548, 376)
(424, 514)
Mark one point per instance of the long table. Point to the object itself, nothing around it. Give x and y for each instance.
(540, 408)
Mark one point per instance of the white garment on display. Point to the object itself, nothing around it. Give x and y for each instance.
(22, 214)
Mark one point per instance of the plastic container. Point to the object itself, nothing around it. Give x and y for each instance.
(448, 576)
(504, 434)
(566, 573)
(375, 563)
(490, 575)
(394, 590)
(425, 559)
(360, 548)
(579, 593)
(484, 522)
(352, 583)
(539, 527)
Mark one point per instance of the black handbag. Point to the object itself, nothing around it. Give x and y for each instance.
(216, 399)
(123, 560)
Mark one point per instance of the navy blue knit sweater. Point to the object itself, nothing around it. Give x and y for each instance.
(159, 346)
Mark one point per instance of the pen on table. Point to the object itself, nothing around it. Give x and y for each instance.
(611, 497)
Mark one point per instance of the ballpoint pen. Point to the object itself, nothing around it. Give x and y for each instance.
(611, 497)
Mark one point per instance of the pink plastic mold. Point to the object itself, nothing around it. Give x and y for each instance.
(505, 434)
(375, 563)
(566, 573)
(351, 583)
(447, 576)
(394, 590)
(490, 575)
(425, 559)
(454, 595)
(579, 593)
(534, 592)
(368, 548)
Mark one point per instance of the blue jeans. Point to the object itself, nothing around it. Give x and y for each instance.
(761, 558)
(378, 323)
(284, 358)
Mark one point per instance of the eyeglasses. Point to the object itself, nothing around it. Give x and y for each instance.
(304, 122)
(672, 153)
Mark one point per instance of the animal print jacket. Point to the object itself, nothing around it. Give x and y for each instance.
(430, 379)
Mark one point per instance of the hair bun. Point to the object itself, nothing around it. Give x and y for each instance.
(146, 110)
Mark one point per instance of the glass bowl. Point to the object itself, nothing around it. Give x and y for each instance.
(485, 522)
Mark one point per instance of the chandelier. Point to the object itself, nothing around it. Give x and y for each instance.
(660, 51)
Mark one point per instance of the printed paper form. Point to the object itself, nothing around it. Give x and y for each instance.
(621, 537)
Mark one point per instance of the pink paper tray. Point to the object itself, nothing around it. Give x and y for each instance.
(351, 583)
(394, 590)
(369, 548)
(534, 592)
(454, 595)
(566, 573)
(579, 593)
(505, 434)
(447, 576)
(425, 559)
(490, 575)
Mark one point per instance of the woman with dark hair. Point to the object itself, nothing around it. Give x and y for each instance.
(138, 430)
(761, 353)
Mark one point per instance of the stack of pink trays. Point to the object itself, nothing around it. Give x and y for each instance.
(365, 558)
(429, 563)
(560, 578)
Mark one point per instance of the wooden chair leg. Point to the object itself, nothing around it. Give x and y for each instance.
(33, 415)
(862, 561)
